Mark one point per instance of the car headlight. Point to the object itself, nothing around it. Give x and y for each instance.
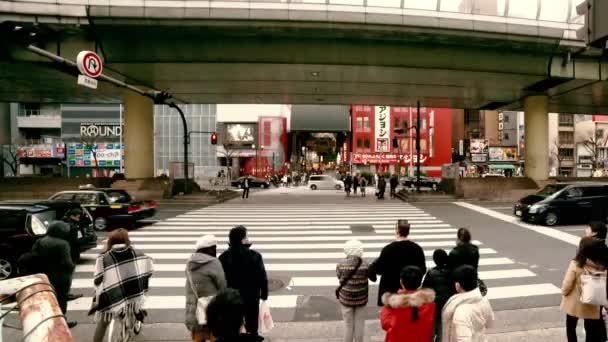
(536, 208)
(38, 227)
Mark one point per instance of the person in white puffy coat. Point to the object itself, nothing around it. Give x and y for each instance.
(467, 314)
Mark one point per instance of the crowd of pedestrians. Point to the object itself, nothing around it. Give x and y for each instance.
(223, 294)
(444, 304)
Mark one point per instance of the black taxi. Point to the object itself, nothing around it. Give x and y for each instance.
(109, 207)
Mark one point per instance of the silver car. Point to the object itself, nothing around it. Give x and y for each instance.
(324, 182)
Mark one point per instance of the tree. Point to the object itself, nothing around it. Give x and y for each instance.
(558, 157)
(592, 143)
(9, 156)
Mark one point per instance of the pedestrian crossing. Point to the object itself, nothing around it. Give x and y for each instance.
(301, 244)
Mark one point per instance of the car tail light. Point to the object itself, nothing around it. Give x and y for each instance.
(152, 204)
(134, 208)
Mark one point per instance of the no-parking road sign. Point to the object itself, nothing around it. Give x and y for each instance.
(89, 63)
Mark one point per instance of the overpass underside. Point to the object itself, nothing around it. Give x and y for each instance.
(230, 61)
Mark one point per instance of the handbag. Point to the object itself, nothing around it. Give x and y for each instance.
(265, 322)
(347, 278)
(593, 288)
(482, 287)
(201, 303)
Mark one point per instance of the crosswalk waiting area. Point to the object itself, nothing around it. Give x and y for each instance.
(301, 245)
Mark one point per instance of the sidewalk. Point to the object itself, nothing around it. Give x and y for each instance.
(537, 325)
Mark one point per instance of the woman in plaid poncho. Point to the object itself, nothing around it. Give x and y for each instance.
(121, 281)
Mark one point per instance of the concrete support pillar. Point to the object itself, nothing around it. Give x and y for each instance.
(537, 137)
(138, 136)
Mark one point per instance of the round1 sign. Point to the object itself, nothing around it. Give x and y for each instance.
(89, 63)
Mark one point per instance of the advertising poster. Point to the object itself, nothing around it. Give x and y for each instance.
(382, 128)
(108, 155)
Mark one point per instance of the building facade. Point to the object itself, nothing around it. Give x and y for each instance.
(169, 135)
(253, 139)
(377, 145)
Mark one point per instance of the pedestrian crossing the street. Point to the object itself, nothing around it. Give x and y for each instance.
(301, 245)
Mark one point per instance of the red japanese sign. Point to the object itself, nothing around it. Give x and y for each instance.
(387, 158)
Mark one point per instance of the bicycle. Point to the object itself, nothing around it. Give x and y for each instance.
(125, 327)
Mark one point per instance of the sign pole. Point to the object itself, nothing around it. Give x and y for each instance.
(418, 146)
(120, 141)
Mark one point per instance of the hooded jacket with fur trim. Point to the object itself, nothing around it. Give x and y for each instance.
(398, 317)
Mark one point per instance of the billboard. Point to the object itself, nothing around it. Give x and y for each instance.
(102, 129)
(42, 151)
(240, 133)
(382, 128)
(479, 146)
(108, 155)
(503, 154)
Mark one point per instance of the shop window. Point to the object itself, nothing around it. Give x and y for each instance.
(405, 125)
(359, 123)
(366, 143)
(396, 123)
(423, 145)
(366, 122)
(359, 143)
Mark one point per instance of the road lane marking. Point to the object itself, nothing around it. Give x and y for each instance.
(291, 301)
(382, 237)
(300, 255)
(288, 223)
(518, 291)
(200, 226)
(253, 233)
(550, 232)
(179, 302)
(333, 281)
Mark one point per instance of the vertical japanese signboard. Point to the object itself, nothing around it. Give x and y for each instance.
(382, 128)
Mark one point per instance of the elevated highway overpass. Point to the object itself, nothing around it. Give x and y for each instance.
(472, 54)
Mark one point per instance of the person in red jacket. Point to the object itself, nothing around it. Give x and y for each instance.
(409, 314)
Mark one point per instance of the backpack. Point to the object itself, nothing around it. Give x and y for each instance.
(593, 288)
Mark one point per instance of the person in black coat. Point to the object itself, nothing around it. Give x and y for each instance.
(393, 258)
(381, 187)
(438, 279)
(53, 250)
(246, 184)
(394, 181)
(245, 271)
(465, 253)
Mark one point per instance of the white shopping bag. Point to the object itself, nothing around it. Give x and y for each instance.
(265, 321)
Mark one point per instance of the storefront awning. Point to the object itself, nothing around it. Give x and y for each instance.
(502, 166)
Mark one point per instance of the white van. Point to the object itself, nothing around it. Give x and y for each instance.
(324, 182)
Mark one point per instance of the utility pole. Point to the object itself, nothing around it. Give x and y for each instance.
(418, 146)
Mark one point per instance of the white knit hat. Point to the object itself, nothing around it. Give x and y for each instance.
(353, 248)
(205, 241)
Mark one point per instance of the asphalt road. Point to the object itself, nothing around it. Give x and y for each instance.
(300, 234)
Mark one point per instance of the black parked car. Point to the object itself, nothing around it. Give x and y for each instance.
(425, 182)
(253, 182)
(109, 207)
(23, 222)
(565, 203)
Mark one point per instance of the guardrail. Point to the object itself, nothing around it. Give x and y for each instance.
(39, 312)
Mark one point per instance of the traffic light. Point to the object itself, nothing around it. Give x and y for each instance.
(213, 138)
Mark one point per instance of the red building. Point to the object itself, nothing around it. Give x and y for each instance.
(270, 148)
(373, 130)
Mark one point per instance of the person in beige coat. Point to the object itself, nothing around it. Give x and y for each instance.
(467, 314)
(590, 257)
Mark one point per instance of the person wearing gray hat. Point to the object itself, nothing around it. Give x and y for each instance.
(204, 278)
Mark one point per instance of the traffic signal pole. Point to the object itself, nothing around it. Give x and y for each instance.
(418, 147)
